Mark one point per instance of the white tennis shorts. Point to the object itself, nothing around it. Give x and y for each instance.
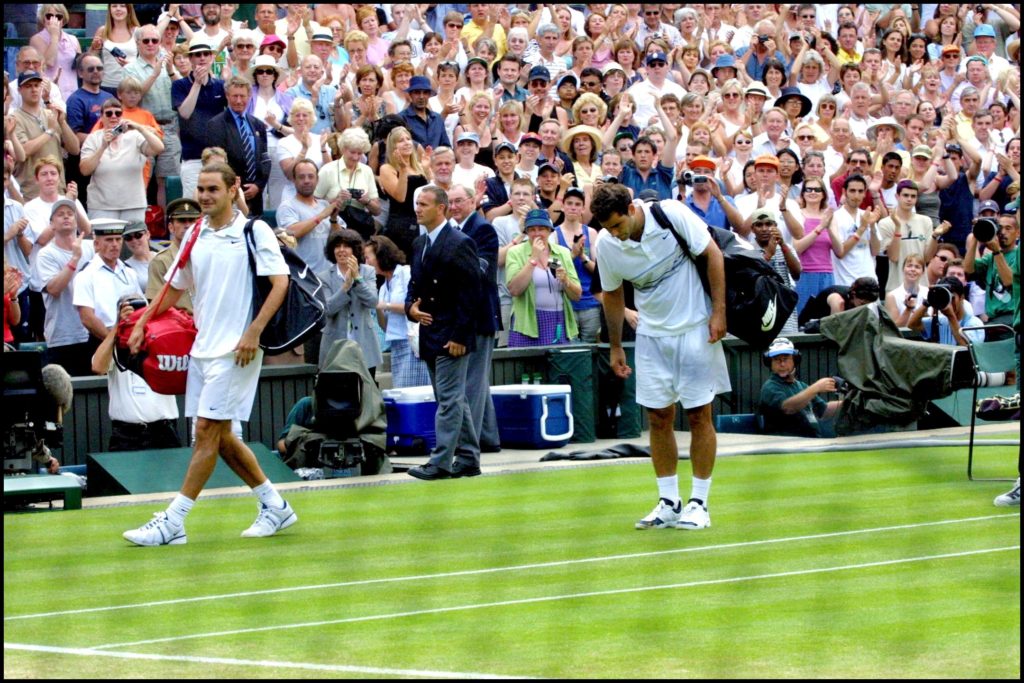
(682, 368)
(217, 389)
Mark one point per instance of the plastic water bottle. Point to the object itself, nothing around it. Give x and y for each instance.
(558, 333)
(537, 379)
(526, 378)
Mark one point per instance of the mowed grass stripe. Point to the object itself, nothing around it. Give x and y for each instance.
(565, 597)
(515, 568)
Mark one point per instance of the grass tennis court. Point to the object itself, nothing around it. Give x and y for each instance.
(883, 563)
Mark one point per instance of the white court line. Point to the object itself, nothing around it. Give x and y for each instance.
(550, 598)
(264, 663)
(494, 570)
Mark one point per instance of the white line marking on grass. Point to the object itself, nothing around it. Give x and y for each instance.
(552, 598)
(264, 663)
(494, 570)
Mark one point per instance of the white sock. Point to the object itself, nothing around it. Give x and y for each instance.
(668, 488)
(179, 508)
(700, 490)
(268, 495)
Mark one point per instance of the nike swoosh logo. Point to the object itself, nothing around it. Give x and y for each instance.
(302, 275)
(768, 319)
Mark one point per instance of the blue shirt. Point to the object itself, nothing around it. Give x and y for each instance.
(715, 215)
(429, 133)
(660, 179)
(211, 101)
(755, 67)
(323, 110)
(519, 95)
(84, 109)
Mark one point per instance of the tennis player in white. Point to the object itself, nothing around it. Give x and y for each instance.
(224, 370)
(679, 354)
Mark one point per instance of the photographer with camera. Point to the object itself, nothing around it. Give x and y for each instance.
(788, 406)
(707, 200)
(948, 316)
(140, 418)
(995, 269)
(113, 158)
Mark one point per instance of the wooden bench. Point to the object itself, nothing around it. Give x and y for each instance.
(31, 488)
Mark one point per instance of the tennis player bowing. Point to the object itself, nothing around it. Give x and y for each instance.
(679, 353)
(226, 357)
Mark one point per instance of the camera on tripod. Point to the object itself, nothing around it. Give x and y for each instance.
(338, 397)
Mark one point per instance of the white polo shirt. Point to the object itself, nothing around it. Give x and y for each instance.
(100, 287)
(858, 262)
(668, 292)
(219, 280)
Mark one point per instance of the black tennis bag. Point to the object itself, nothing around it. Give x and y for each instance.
(303, 312)
(757, 302)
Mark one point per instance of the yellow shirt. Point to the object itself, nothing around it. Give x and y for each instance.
(964, 126)
(472, 31)
(845, 57)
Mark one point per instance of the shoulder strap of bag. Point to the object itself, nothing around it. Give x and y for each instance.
(250, 243)
(183, 256)
(663, 220)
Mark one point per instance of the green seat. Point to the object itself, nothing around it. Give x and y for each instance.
(270, 216)
(989, 356)
(76, 32)
(174, 190)
(32, 346)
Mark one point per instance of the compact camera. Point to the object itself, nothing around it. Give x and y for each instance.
(355, 192)
(691, 178)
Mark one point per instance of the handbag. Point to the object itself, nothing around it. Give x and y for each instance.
(163, 358)
(303, 312)
(757, 302)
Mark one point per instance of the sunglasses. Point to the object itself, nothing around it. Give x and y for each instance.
(245, 47)
(200, 54)
(814, 189)
(743, 142)
(731, 96)
(132, 237)
(275, 48)
(55, 16)
(942, 258)
(150, 41)
(826, 105)
(453, 25)
(93, 69)
(590, 110)
(264, 72)
(858, 162)
(656, 65)
(804, 137)
(625, 148)
(111, 113)
(652, 13)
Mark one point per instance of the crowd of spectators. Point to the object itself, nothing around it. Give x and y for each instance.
(845, 141)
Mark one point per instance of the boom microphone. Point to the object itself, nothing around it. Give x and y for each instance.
(57, 383)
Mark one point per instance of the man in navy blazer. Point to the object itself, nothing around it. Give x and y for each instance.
(443, 297)
(472, 224)
(225, 130)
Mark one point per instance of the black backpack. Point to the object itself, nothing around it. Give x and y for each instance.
(757, 302)
(303, 312)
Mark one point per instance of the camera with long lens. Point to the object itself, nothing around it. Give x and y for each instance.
(939, 297)
(985, 230)
(338, 397)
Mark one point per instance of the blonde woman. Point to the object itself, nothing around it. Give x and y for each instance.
(590, 110)
(509, 123)
(349, 179)
(400, 177)
(115, 44)
(476, 118)
(57, 47)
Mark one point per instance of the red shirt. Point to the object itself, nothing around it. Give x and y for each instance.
(837, 192)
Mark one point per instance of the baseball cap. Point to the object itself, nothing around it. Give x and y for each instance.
(539, 73)
(703, 162)
(988, 205)
(62, 202)
(763, 215)
(984, 31)
(468, 136)
(531, 137)
(950, 49)
(922, 151)
(135, 227)
(27, 76)
(504, 145)
(656, 57)
(568, 76)
(781, 347)
(545, 167)
(767, 160)
(574, 192)
(611, 66)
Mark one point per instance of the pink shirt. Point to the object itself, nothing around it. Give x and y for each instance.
(817, 258)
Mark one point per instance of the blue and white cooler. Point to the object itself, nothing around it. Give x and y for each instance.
(410, 412)
(533, 415)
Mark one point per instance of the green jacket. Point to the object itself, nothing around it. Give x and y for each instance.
(524, 306)
(998, 300)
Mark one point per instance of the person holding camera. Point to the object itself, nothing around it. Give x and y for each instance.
(707, 200)
(948, 316)
(996, 268)
(140, 418)
(113, 158)
(902, 301)
(788, 406)
(542, 285)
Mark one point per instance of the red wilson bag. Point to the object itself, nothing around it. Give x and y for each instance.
(163, 358)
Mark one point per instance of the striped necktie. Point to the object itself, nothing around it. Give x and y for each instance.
(249, 142)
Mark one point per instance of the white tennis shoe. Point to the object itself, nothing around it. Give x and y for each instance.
(1009, 499)
(663, 516)
(158, 531)
(269, 522)
(693, 516)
